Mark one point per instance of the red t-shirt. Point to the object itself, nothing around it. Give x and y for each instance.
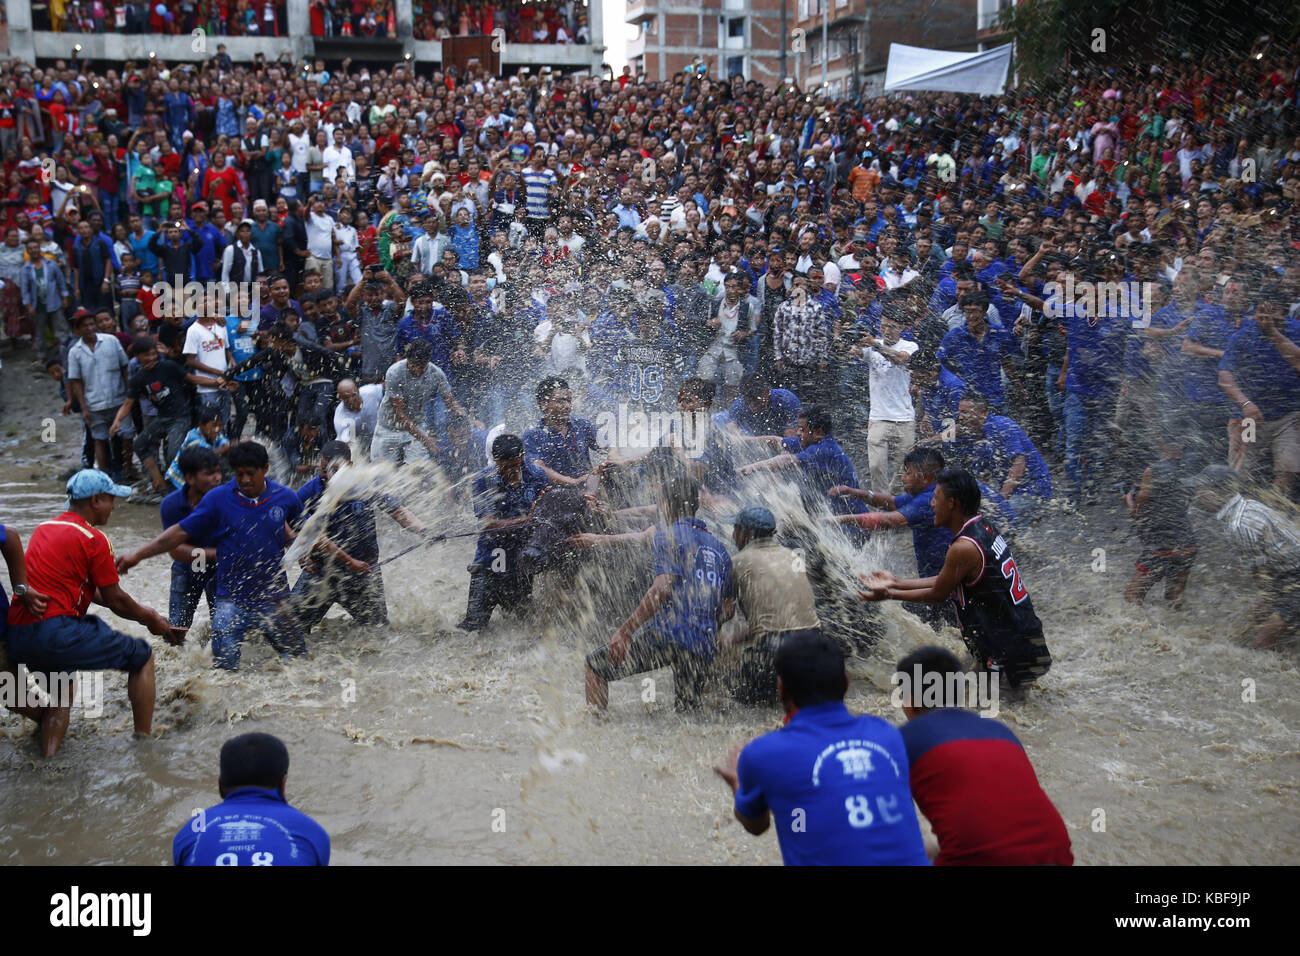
(222, 187)
(171, 165)
(972, 780)
(67, 559)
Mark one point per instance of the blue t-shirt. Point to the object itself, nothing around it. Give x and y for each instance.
(1002, 441)
(837, 786)
(930, 542)
(1212, 328)
(1261, 371)
(782, 412)
(1095, 349)
(250, 540)
(700, 568)
(570, 454)
(351, 525)
(978, 363)
(824, 466)
(242, 346)
(941, 402)
(442, 332)
(173, 509)
(494, 499)
(251, 827)
(192, 437)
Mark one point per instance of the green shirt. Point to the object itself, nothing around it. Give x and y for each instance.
(146, 184)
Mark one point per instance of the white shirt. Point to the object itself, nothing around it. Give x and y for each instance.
(348, 425)
(347, 236)
(320, 236)
(889, 384)
(208, 345)
(574, 244)
(334, 158)
(299, 146)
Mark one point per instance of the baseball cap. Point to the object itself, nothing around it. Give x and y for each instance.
(89, 482)
(755, 519)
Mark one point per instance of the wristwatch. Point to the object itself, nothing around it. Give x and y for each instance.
(20, 590)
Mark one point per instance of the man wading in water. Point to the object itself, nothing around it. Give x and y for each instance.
(997, 617)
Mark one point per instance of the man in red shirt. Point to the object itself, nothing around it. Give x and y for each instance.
(70, 560)
(970, 775)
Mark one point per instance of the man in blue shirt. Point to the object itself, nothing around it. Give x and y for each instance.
(1094, 351)
(503, 497)
(978, 353)
(1203, 420)
(821, 458)
(940, 392)
(761, 409)
(560, 445)
(248, 520)
(211, 241)
(914, 509)
(837, 785)
(676, 623)
(437, 326)
(254, 824)
(194, 565)
(1260, 371)
(997, 448)
(343, 565)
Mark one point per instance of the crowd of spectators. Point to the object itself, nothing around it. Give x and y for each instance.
(521, 21)
(264, 18)
(537, 224)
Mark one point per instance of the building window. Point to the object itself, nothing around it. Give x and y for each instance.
(804, 9)
(736, 27)
(735, 66)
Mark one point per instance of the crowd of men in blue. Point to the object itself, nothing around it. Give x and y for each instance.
(999, 316)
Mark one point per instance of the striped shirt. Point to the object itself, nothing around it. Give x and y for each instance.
(537, 187)
(1272, 541)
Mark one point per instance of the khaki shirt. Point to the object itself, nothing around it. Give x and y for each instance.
(772, 594)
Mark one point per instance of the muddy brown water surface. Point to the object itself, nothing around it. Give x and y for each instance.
(420, 744)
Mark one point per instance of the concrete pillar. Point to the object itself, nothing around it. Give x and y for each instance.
(298, 17)
(405, 23)
(22, 45)
(596, 26)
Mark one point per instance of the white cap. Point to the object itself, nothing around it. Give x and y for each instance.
(832, 274)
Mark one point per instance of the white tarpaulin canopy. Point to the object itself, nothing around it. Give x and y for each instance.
(916, 68)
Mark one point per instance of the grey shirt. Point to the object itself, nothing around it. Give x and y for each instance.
(378, 333)
(100, 371)
(415, 393)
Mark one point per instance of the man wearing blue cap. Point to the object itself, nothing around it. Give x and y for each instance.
(774, 594)
(71, 560)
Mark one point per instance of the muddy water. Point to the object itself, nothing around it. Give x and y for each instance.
(421, 744)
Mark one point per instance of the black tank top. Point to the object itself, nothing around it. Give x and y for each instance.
(997, 617)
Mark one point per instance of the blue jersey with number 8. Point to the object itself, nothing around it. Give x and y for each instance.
(253, 826)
